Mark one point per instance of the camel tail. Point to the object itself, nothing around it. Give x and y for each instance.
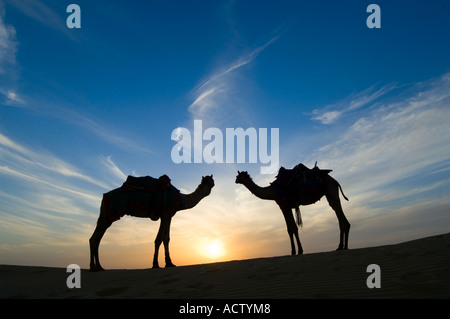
(298, 217)
(342, 192)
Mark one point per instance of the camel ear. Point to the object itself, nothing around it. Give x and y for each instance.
(239, 172)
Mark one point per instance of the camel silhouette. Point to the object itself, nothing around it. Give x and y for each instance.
(145, 197)
(301, 186)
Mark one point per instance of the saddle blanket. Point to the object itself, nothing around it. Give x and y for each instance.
(144, 193)
(289, 182)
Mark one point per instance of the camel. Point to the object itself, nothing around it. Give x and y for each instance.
(325, 185)
(161, 200)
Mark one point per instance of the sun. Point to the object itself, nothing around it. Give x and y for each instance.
(214, 249)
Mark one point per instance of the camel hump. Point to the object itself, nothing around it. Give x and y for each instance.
(146, 193)
(287, 176)
(147, 183)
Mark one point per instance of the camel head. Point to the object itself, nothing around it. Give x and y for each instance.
(242, 177)
(207, 181)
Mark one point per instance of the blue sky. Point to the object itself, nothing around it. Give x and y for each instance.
(80, 109)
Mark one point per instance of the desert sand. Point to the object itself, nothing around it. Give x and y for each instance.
(415, 269)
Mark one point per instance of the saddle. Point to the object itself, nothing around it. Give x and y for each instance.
(146, 183)
(156, 195)
(300, 175)
(289, 182)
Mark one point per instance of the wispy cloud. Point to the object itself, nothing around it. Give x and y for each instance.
(37, 166)
(12, 98)
(112, 167)
(49, 204)
(332, 113)
(414, 123)
(43, 14)
(8, 43)
(8, 51)
(214, 92)
(108, 135)
(70, 116)
(40, 12)
(46, 202)
(394, 154)
(391, 157)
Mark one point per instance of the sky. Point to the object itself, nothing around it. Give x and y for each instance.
(83, 108)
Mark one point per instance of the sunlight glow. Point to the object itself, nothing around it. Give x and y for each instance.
(214, 249)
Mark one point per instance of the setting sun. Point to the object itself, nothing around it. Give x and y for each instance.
(214, 249)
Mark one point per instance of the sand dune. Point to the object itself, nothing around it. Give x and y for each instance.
(415, 269)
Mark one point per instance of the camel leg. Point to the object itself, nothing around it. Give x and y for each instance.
(294, 233)
(299, 245)
(292, 230)
(166, 240)
(163, 237)
(291, 238)
(344, 225)
(94, 242)
(158, 241)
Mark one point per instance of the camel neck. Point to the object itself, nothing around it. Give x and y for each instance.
(188, 201)
(258, 191)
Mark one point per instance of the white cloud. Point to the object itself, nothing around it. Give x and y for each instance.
(392, 161)
(394, 154)
(205, 101)
(331, 113)
(98, 129)
(14, 98)
(112, 167)
(8, 43)
(45, 201)
(213, 94)
(327, 117)
(37, 165)
(43, 14)
(75, 118)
